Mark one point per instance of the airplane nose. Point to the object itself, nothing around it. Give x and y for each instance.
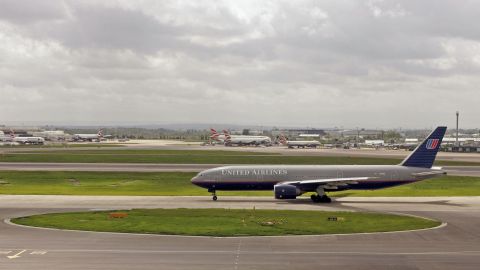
(195, 180)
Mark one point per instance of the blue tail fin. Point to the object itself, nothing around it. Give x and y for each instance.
(424, 155)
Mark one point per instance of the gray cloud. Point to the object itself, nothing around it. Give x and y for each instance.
(29, 12)
(329, 63)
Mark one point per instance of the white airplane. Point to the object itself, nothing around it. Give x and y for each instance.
(298, 144)
(89, 137)
(240, 140)
(25, 140)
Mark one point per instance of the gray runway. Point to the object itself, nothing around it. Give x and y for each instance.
(140, 167)
(454, 246)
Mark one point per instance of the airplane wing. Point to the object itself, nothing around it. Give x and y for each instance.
(331, 183)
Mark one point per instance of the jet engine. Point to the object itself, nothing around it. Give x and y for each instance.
(286, 191)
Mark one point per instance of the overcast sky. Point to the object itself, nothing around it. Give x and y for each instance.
(376, 64)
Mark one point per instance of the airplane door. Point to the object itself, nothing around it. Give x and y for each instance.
(215, 179)
(394, 175)
(339, 174)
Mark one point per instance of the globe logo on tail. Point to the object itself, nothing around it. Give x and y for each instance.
(432, 143)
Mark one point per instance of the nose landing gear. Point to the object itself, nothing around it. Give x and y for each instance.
(214, 194)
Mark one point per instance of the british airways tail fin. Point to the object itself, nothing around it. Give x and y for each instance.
(424, 155)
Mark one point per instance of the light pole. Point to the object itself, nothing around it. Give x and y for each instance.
(456, 139)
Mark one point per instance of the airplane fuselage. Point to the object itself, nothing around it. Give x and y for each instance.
(265, 177)
(29, 140)
(247, 140)
(304, 144)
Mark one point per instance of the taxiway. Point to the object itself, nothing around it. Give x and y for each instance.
(456, 245)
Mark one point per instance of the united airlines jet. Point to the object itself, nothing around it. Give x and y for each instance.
(291, 181)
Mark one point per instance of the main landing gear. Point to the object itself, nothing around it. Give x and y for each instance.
(320, 197)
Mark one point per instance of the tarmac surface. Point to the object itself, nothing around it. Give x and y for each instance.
(139, 167)
(454, 246)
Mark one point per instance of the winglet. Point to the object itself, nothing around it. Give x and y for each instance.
(424, 155)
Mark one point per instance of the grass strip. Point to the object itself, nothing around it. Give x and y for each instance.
(228, 222)
(178, 184)
(196, 157)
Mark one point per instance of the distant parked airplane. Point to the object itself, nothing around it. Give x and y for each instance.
(239, 140)
(299, 144)
(290, 181)
(25, 140)
(90, 137)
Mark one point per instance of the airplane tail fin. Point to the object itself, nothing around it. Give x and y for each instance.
(214, 134)
(226, 132)
(283, 140)
(424, 155)
(100, 134)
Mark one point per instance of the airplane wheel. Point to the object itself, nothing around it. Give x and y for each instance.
(320, 199)
(214, 197)
(325, 199)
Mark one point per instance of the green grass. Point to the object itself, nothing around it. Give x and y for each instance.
(149, 152)
(443, 186)
(191, 157)
(178, 184)
(229, 222)
(98, 183)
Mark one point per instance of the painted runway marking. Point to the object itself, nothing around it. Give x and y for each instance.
(38, 252)
(237, 254)
(20, 252)
(127, 251)
(17, 255)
